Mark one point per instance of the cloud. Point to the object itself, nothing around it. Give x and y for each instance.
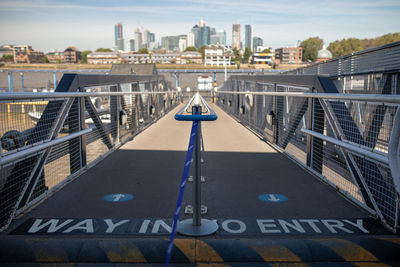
(282, 22)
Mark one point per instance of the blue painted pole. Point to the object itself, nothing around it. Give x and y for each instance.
(22, 81)
(55, 80)
(176, 83)
(10, 83)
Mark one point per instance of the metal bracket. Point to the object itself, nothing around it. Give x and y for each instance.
(202, 179)
(189, 210)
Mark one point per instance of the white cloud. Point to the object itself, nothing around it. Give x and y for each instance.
(279, 23)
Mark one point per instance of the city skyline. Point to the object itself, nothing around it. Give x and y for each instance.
(88, 24)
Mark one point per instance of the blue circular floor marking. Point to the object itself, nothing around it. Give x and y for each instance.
(118, 197)
(272, 198)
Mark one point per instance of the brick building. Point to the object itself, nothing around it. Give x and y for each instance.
(288, 55)
(72, 55)
(25, 54)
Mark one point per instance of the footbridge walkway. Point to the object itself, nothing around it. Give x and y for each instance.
(295, 170)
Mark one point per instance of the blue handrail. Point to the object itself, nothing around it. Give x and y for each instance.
(184, 115)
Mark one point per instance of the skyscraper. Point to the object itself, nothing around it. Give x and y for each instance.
(132, 45)
(138, 39)
(205, 35)
(219, 37)
(197, 37)
(182, 43)
(171, 43)
(146, 37)
(190, 39)
(236, 36)
(152, 37)
(257, 41)
(222, 34)
(151, 41)
(202, 23)
(118, 37)
(248, 37)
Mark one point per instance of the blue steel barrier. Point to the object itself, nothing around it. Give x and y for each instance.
(184, 115)
(185, 173)
(195, 226)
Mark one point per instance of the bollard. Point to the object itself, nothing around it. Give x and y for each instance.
(197, 226)
(196, 110)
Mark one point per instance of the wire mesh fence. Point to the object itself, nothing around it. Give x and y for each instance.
(343, 140)
(375, 60)
(45, 141)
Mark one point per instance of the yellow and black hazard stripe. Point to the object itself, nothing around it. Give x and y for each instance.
(357, 250)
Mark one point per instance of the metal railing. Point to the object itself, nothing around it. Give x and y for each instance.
(22, 80)
(363, 72)
(382, 59)
(348, 140)
(48, 139)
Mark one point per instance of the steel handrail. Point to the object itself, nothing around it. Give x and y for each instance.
(181, 116)
(35, 149)
(56, 95)
(393, 99)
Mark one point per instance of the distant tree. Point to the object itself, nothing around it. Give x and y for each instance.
(246, 55)
(266, 51)
(202, 51)
(387, 39)
(310, 48)
(143, 51)
(46, 60)
(84, 56)
(190, 49)
(345, 47)
(7, 58)
(367, 43)
(380, 40)
(103, 50)
(236, 53)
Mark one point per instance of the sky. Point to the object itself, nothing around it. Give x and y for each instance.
(89, 24)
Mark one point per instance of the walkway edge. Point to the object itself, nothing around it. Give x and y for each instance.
(208, 250)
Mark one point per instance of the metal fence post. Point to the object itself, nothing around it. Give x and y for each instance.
(82, 127)
(197, 173)
(55, 80)
(74, 125)
(309, 127)
(10, 83)
(279, 105)
(114, 107)
(22, 81)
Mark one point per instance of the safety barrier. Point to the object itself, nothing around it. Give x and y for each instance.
(89, 116)
(196, 110)
(348, 140)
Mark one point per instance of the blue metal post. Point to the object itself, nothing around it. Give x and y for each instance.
(10, 83)
(55, 80)
(176, 75)
(196, 110)
(215, 79)
(22, 81)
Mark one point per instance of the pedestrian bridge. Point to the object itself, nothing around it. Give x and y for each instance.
(294, 170)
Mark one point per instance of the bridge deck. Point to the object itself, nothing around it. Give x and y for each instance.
(238, 168)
